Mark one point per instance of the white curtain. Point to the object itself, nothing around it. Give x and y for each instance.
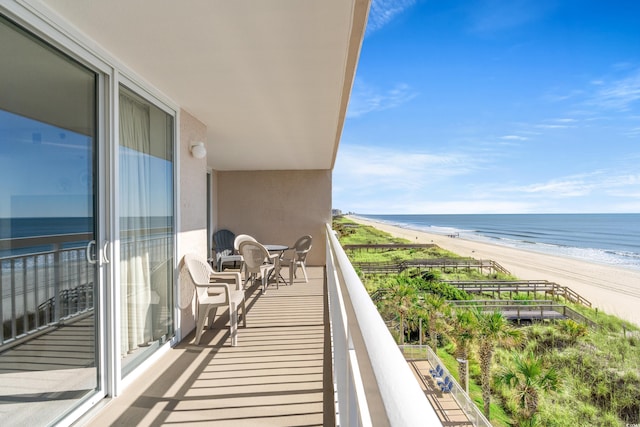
(135, 274)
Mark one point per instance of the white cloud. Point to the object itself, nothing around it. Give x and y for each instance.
(383, 11)
(618, 94)
(514, 138)
(633, 132)
(465, 206)
(559, 123)
(387, 180)
(406, 180)
(606, 183)
(366, 99)
(495, 15)
(552, 96)
(559, 188)
(373, 168)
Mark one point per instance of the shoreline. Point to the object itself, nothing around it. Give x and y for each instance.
(614, 290)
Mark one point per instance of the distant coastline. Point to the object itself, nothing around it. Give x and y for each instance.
(35, 227)
(612, 288)
(47, 226)
(609, 239)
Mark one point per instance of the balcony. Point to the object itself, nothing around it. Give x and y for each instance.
(283, 371)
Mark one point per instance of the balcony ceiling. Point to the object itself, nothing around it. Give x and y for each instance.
(269, 79)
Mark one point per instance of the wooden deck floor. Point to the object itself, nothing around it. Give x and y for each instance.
(42, 378)
(273, 377)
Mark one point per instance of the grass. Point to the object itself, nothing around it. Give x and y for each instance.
(598, 369)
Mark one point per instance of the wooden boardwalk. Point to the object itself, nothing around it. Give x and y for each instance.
(498, 287)
(420, 265)
(527, 310)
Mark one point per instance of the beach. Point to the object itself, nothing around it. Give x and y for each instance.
(613, 290)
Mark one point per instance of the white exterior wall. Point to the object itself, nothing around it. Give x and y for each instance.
(277, 207)
(192, 186)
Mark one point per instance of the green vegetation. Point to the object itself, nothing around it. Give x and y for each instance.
(550, 373)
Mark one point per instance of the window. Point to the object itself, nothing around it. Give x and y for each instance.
(146, 228)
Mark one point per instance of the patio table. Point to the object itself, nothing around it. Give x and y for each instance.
(276, 270)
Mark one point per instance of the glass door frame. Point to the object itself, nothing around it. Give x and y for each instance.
(119, 382)
(48, 30)
(110, 74)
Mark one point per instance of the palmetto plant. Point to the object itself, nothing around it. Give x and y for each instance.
(573, 330)
(436, 308)
(463, 332)
(493, 329)
(528, 378)
(402, 298)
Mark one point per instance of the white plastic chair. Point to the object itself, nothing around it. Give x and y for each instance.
(236, 245)
(257, 260)
(213, 290)
(300, 250)
(242, 238)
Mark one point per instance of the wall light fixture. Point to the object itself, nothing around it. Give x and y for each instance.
(198, 150)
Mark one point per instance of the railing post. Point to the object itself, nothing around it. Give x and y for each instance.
(14, 311)
(57, 274)
(25, 298)
(36, 294)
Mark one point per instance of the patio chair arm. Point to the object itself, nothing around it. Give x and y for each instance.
(218, 289)
(225, 277)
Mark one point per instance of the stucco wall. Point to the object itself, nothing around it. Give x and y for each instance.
(192, 226)
(276, 207)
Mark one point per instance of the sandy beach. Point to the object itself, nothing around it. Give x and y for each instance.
(611, 289)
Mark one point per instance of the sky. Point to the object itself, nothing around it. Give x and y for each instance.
(44, 165)
(494, 106)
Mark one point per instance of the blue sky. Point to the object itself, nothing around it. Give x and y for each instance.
(46, 171)
(486, 106)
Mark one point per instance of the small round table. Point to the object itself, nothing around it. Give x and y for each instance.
(276, 248)
(281, 249)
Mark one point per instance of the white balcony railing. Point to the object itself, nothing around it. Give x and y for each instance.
(373, 382)
(48, 280)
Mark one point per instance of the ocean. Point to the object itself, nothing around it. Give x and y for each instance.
(21, 228)
(612, 239)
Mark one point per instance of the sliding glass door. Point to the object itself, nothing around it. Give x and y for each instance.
(75, 322)
(146, 228)
(49, 225)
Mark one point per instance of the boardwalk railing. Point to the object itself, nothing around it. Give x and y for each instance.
(424, 352)
(387, 246)
(516, 286)
(454, 264)
(373, 383)
(527, 309)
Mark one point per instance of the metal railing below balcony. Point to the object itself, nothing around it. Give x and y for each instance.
(424, 352)
(373, 382)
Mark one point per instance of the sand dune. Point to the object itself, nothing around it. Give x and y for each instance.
(613, 290)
